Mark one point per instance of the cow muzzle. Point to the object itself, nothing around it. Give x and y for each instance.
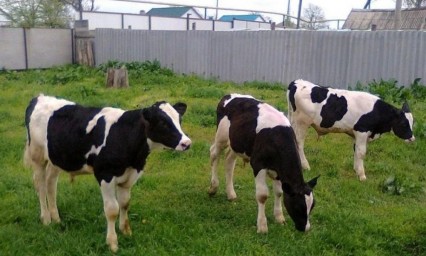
(184, 144)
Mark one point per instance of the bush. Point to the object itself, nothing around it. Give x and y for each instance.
(138, 68)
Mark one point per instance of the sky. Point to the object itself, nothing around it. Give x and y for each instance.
(333, 9)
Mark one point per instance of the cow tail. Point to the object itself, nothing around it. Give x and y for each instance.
(289, 107)
(27, 155)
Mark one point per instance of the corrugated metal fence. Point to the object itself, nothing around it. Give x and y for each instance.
(334, 58)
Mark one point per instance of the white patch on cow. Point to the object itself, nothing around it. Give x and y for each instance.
(129, 177)
(111, 116)
(269, 117)
(43, 110)
(236, 95)
(410, 119)
(358, 104)
(174, 115)
(309, 199)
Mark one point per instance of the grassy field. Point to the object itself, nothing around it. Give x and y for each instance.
(171, 212)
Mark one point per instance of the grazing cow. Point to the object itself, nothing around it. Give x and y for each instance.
(359, 114)
(262, 135)
(111, 143)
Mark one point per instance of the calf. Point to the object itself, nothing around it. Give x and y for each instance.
(111, 143)
(359, 114)
(262, 135)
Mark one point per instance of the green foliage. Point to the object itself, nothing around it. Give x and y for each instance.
(170, 210)
(390, 91)
(399, 185)
(36, 13)
(418, 90)
(138, 68)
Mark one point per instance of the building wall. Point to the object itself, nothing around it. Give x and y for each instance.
(136, 21)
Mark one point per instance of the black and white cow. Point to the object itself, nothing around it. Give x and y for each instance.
(359, 114)
(259, 133)
(111, 143)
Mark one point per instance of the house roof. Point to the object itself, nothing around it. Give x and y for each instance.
(360, 19)
(171, 11)
(246, 17)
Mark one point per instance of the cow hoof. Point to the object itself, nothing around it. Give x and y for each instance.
(113, 248)
(280, 219)
(212, 191)
(46, 220)
(125, 229)
(55, 218)
(362, 178)
(232, 196)
(113, 245)
(262, 230)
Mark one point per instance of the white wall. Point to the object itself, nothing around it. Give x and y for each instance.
(136, 21)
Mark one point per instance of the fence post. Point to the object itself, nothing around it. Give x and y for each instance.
(25, 47)
(84, 43)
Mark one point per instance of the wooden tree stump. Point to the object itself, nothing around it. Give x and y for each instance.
(117, 78)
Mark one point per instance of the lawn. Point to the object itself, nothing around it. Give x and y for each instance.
(171, 212)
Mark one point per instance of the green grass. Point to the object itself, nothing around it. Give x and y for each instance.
(171, 212)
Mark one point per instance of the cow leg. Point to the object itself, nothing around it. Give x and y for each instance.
(111, 209)
(300, 130)
(39, 179)
(52, 181)
(230, 161)
(278, 209)
(262, 193)
(219, 144)
(214, 161)
(123, 196)
(359, 155)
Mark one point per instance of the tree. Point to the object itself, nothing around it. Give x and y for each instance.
(84, 5)
(314, 14)
(414, 3)
(36, 13)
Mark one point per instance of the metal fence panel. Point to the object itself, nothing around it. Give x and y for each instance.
(34, 48)
(331, 58)
(12, 53)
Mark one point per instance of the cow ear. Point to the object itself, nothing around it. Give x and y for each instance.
(147, 114)
(405, 108)
(312, 183)
(180, 108)
(287, 189)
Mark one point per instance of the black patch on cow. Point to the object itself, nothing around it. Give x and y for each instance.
(220, 111)
(292, 90)
(383, 118)
(126, 146)
(242, 113)
(318, 94)
(333, 110)
(28, 113)
(276, 149)
(67, 140)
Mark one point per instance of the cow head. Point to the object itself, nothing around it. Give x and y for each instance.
(299, 203)
(402, 125)
(163, 129)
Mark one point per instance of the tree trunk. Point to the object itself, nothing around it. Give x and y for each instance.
(117, 78)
